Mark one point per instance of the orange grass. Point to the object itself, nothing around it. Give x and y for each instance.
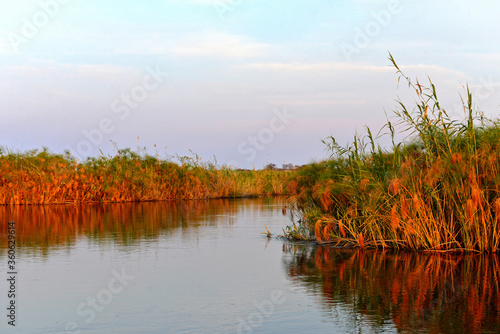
(438, 191)
(40, 177)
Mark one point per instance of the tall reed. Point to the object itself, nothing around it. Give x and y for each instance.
(438, 191)
(41, 177)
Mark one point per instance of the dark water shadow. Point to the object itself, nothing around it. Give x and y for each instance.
(417, 292)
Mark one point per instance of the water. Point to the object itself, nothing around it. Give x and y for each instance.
(205, 267)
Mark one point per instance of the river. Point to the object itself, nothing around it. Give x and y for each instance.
(206, 267)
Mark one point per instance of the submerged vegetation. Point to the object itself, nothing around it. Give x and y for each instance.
(41, 177)
(439, 191)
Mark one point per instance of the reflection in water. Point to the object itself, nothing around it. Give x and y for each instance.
(366, 290)
(40, 228)
(418, 292)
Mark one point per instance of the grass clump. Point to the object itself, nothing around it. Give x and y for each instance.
(439, 191)
(41, 177)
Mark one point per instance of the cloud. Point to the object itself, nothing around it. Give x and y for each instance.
(305, 67)
(95, 73)
(211, 2)
(105, 72)
(6, 47)
(317, 102)
(342, 66)
(221, 45)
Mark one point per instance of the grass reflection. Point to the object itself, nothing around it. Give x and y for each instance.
(40, 228)
(430, 293)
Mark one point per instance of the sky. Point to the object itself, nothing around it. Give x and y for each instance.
(244, 82)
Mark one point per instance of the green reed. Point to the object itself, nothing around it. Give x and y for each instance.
(439, 190)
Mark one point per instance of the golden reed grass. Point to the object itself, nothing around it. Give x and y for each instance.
(40, 177)
(439, 191)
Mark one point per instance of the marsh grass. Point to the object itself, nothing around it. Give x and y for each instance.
(41, 177)
(438, 191)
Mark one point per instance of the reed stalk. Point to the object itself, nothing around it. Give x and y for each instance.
(41, 177)
(437, 190)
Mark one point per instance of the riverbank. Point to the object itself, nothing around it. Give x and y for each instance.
(437, 191)
(42, 177)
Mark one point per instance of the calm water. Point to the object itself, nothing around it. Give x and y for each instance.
(205, 267)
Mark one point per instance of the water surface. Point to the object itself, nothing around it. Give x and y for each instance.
(205, 267)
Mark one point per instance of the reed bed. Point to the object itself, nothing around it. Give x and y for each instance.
(41, 177)
(439, 190)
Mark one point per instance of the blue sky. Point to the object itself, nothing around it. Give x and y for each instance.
(249, 82)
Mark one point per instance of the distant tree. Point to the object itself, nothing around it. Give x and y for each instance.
(288, 166)
(270, 166)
